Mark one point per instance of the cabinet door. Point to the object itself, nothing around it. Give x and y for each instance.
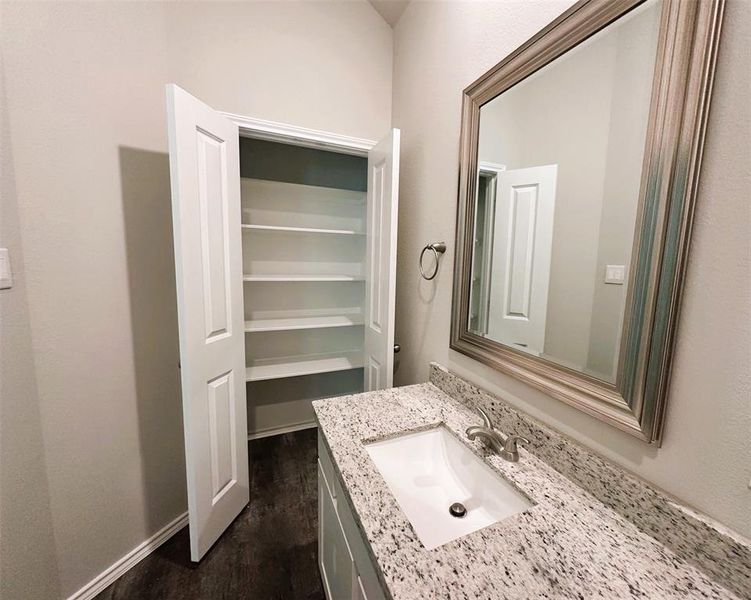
(335, 559)
(380, 270)
(205, 178)
(359, 593)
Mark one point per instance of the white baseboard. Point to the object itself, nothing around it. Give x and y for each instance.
(257, 435)
(130, 560)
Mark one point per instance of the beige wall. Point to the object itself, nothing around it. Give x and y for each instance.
(92, 459)
(442, 47)
(322, 65)
(26, 534)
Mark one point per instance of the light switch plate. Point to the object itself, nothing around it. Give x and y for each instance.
(6, 277)
(615, 274)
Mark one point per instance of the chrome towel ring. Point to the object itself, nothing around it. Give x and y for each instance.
(437, 248)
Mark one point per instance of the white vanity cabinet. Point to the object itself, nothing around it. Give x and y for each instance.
(346, 567)
(285, 257)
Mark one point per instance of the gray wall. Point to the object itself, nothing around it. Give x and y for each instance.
(92, 456)
(442, 47)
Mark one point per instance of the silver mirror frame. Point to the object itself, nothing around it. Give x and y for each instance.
(681, 90)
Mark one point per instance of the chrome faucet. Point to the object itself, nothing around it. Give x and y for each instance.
(504, 446)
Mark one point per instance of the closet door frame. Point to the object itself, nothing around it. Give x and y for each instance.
(300, 136)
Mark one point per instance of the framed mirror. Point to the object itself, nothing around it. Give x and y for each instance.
(579, 162)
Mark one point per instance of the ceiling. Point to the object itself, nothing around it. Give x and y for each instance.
(390, 10)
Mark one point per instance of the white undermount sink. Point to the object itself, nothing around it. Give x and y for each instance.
(430, 470)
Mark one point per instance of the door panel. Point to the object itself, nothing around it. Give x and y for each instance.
(221, 431)
(205, 178)
(523, 205)
(213, 203)
(521, 255)
(380, 285)
(373, 374)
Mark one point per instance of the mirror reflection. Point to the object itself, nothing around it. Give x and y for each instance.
(559, 171)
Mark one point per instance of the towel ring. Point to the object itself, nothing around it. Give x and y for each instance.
(437, 248)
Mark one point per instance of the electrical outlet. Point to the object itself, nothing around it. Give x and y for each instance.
(615, 274)
(6, 277)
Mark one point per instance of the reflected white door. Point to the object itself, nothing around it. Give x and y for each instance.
(380, 268)
(205, 177)
(525, 206)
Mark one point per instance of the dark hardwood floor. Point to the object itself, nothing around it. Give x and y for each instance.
(268, 553)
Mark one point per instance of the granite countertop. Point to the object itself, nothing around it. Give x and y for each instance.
(568, 545)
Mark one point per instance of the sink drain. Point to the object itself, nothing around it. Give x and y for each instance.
(457, 510)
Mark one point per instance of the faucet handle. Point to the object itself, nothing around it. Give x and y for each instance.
(485, 418)
(512, 441)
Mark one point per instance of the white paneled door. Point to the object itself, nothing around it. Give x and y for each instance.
(204, 171)
(522, 246)
(380, 275)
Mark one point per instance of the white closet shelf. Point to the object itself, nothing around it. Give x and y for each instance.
(280, 228)
(309, 364)
(313, 322)
(303, 278)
